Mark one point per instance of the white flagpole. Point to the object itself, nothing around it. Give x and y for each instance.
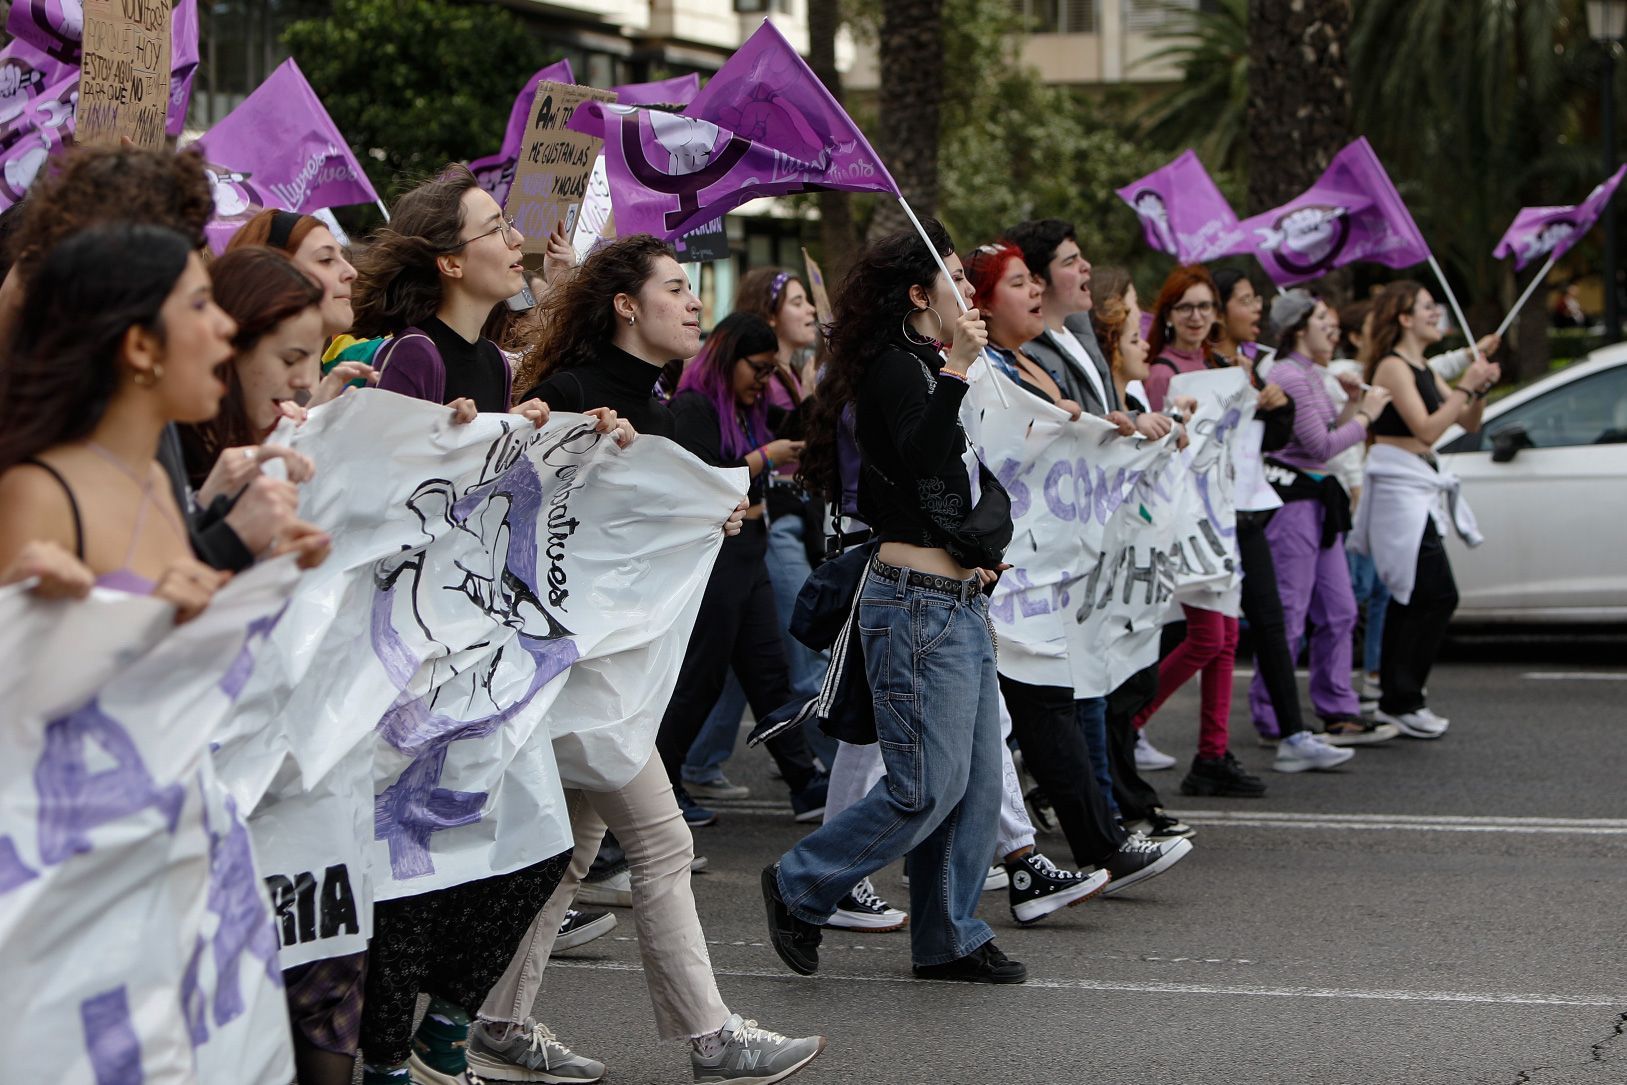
(1457, 310)
(937, 258)
(1530, 288)
(382, 209)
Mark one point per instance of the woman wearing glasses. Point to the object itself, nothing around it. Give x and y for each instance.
(1403, 492)
(1185, 325)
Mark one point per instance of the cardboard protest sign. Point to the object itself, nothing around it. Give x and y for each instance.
(551, 180)
(133, 927)
(124, 73)
(818, 291)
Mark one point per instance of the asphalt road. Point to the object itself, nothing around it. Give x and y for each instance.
(1445, 912)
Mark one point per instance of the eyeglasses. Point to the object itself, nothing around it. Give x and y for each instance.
(511, 235)
(1193, 308)
(761, 371)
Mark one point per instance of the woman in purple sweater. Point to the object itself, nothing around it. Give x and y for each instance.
(1307, 533)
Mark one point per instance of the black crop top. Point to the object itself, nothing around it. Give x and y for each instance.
(913, 483)
(1389, 423)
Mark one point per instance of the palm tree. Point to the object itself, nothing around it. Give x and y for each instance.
(1208, 109)
(911, 96)
(1298, 95)
(838, 235)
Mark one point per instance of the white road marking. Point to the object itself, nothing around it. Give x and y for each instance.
(1229, 990)
(1576, 676)
(1251, 819)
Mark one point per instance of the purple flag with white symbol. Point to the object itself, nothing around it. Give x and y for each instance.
(25, 74)
(1539, 233)
(183, 63)
(763, 126)
(1351, 213)
(279, 148)
(1182, 212)
(42, 127)
(495, 172)
(54, 27)
(680, 90)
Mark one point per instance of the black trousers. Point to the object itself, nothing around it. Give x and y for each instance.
(737, 626)
(1413, 631)
(1057, 755)
(1262, 606)
(1137, 798)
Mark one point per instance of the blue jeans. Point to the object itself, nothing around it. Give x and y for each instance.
(787, 570)
(929, 658)
(1091, 712)
(1375, 597)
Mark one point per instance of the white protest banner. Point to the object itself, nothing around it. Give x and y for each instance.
(133, 928)
(480, 574)
(1208, 572)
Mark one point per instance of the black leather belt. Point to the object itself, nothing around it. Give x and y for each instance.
(964, 590)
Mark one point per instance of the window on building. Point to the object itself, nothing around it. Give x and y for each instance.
(1059, 16)
(1147, 15)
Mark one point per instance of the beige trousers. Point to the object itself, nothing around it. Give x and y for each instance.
(645, 818)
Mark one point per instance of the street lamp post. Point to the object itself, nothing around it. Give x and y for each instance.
(1607, 24)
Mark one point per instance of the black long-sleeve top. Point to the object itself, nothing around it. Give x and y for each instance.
(616, 380)
(914, 486)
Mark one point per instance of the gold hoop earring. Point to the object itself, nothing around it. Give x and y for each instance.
(630, 319)
(930, 341)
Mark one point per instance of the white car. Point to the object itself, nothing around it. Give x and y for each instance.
(1546, 477)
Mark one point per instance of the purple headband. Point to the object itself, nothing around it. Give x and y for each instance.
(778, 288)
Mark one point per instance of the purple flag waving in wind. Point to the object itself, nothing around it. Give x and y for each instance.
(1351, 213)
(763, 126)
(283, 139)
(1182, 212)
(54, 27)
(495, 172)
(1540, 233)
(183, 62)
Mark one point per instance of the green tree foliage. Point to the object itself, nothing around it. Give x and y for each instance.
(1208, 109)
(1014, 148)
(414, 84)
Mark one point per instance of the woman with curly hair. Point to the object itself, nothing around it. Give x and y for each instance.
(942, 521)
(604, 335)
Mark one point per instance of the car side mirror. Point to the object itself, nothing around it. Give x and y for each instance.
(1507, 442)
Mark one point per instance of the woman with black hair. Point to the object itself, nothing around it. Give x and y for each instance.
(942, 521)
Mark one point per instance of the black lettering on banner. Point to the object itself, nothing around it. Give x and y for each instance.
(295, 905)
(338, 902)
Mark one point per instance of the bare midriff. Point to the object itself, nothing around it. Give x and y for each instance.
(923, 559)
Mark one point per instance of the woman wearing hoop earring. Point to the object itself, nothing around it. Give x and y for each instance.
(942, 521)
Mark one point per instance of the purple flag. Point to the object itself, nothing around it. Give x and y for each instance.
(183, 63)
(495, 172)
(678, 91)
(54, 27)
(1351, 213)
(763, 126)
(25, 74)
(1182, 212)
(42, 127)
(1542, 232)
(283, 141)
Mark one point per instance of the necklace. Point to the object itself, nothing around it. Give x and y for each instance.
(145, 485)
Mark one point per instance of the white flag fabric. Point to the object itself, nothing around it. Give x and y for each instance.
(504, 613)
(1208, 571)
(134, 932)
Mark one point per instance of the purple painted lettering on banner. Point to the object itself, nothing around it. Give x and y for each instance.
(1061, 507)
(110, 1038)
(245, 923)
(73, 800)
(413, 808)
(1109, 497)
(237, 675)
(13, 871)
(1009, 473)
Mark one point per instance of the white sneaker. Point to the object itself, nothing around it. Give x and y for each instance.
(1370, 689)
(1304, 751)
(1420, 724)
(1149, 758)
(615, 891)
(864, 910)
